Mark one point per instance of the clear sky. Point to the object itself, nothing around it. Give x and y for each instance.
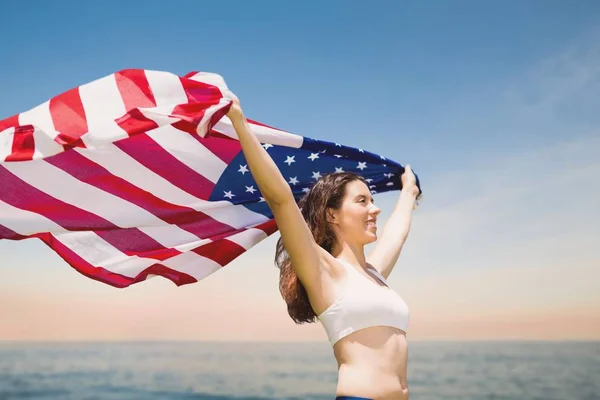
(495, 105)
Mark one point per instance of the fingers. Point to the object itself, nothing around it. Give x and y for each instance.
(234, 98)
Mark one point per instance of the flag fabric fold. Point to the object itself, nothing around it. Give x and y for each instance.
(140, 174)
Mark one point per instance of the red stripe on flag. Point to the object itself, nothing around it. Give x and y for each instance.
(150, 154)
(23, 144)
(111, 278)
(6, 233)
(75, 143)
(69, 117)
(10, 122)
(135, 123)
(177, 277)
(135, 91)
(269, 227)
(86, 170)
(217, 116)
(130, 241)
(135, 88)
(221, 251)
(225, 148)
(222, 146)
(190, 74)
(32, 199)
(83, 267)
(219, 135)
(200, 96)
(134, 242)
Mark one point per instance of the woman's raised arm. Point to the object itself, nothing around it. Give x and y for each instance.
(306, 255)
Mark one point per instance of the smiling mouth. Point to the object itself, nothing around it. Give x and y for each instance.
(371, 224)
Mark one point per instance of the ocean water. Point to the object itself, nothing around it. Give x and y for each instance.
(244, 371)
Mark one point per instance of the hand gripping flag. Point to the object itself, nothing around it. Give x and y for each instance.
(140, 174)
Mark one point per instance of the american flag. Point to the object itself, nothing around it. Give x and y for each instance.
(140, 174)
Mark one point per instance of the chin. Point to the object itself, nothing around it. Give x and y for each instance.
(370, 237)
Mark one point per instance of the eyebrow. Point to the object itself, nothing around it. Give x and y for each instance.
(362, 195)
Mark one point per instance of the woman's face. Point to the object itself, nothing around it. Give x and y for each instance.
(356, 220)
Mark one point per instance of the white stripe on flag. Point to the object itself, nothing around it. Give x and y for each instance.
(192, 245)
(26, 222)
(169, 235)
(45, 146)
(41, 118)
(248, 238)
(192, 264)
(102, 103)
(6, 143)
(189, 151)
(168, 93)
(122, 165)
(202, 127)
(263, 133)
(167, 89)
(98, 252)
(44, 134)
(60, 185)
(214, 80)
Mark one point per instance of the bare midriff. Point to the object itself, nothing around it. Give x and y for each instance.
(372, 363)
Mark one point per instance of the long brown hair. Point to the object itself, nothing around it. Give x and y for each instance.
(327, 193)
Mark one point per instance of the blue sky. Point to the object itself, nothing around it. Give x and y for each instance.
(327, 69)
(493, 104)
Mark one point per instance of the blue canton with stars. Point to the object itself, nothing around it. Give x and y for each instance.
(302, 168)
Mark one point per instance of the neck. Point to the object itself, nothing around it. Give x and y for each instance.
(354, 254)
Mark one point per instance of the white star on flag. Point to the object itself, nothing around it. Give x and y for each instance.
(313, 156)
(267, 145)
(228, 194)
(316, 175)
(293, 180)
(339, 169)
(250, 189)
(290, 160)
(361, 165)
(243, 169)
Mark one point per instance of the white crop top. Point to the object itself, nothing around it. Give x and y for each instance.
(363, 304)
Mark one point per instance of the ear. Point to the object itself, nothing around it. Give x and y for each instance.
(331, 216)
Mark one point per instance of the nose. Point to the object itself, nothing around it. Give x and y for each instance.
(374, 210)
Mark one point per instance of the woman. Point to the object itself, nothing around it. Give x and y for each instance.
(326, 276)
